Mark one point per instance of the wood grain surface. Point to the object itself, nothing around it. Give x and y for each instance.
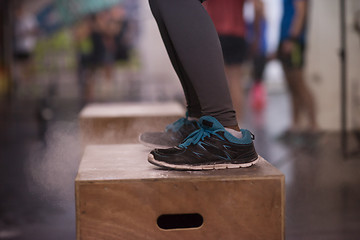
(111, 123)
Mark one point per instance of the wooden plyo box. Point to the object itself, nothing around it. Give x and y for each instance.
(119, 195)
(113, 123)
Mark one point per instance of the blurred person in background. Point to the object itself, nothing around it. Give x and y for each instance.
(229, 22)
(26, 29)
(103, 36)
(124, 32)
(101, 41)
(256, 37)
(84, 51)
(110, 41)
(291, 54)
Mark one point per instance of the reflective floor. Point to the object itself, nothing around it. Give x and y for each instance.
(37, 178)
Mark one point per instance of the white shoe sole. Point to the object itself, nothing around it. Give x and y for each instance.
(152, 160)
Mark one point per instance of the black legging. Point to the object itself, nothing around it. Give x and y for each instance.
(194, 49)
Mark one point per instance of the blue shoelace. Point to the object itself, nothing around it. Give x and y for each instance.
(198, 135)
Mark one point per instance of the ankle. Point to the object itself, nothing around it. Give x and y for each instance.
(234, 132)
(193, 118)
(236, 127)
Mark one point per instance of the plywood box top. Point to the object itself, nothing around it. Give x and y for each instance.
(132, 110)
(129, 162)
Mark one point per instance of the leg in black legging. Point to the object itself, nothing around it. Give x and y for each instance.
(195, 52)
(193, 104)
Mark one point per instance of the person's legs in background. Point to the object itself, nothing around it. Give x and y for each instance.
(308, 103)
(291, 52)
(258, 92)
(290, 76)
(302, 100)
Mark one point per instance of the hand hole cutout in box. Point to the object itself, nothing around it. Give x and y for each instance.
(180, 221)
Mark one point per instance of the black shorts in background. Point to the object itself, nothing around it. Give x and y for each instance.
(295, 59)
(234, 49)
(22, 56)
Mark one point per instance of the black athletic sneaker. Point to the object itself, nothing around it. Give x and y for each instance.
(173, 135)
(209, 147)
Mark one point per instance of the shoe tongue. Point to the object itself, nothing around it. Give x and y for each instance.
(210, 123)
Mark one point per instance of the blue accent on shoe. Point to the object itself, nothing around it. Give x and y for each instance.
(246, 137)
(207, 129)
